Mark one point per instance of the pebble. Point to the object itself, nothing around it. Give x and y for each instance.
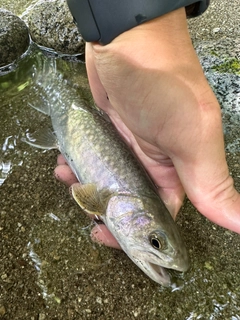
(41, 316)
(215, 30)
(88, 311)
(2, 310)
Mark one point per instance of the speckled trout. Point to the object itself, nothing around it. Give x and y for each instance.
(113, 184)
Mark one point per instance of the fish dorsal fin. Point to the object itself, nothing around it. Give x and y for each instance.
(89, 198)
(42, 138)
(43, 107)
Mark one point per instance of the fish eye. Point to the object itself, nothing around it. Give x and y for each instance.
(157, 241)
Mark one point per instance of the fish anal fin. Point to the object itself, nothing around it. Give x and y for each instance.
(42, 138)
(89, 198)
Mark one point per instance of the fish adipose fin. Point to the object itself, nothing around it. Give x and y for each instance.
(89, 198)
(43, 139)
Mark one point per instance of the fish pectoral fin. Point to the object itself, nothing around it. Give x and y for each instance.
(89, 198)
(43, 139)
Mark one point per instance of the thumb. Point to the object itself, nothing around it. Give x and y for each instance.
(206, 180)
(217, 200)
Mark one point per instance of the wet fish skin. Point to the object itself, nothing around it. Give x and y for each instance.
(114, 184)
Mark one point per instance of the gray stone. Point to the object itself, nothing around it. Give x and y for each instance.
(51, 25)
(14, 37)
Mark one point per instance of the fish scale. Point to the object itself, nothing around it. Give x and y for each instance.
(97, 145)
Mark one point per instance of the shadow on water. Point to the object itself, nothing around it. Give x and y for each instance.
(50, 269)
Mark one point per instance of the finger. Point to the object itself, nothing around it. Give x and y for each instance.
(64, 174)
(162, 173)
(61, 159)
(102, 235)
(204, 172)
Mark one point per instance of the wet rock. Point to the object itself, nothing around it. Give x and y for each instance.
(14, 37)
(51, 25)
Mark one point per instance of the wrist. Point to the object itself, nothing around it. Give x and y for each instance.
(167, 31)
(154, 43)
(104, 20)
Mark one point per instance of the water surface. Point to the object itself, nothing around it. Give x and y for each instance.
(49, 267)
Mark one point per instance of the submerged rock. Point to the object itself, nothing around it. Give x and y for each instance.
(14, 37)
(51, 25)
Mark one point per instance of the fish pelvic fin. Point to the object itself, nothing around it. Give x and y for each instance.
(90, 199)
(43, 139)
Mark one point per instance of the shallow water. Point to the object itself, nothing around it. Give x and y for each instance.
(51, 270)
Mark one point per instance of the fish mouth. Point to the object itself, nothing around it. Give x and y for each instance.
(159, 274)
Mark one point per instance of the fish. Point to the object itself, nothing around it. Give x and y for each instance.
(114, 186)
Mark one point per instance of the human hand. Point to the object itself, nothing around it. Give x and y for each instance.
(151, 84)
